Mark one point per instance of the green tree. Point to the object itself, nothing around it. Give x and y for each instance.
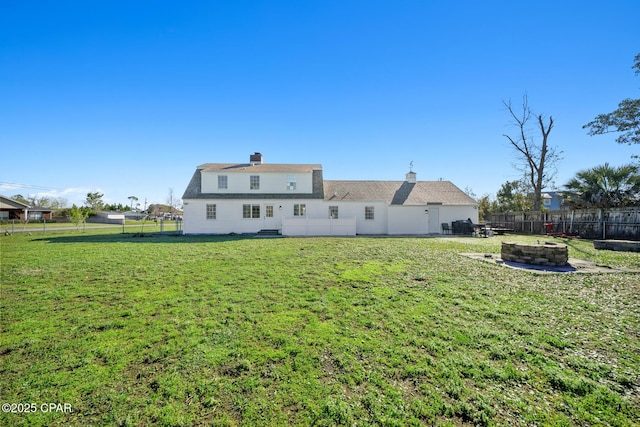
(624, 120)
(605, 187)
(77, 215)
(513, 196)
(486, 207)
(20, 198)
(94, 201)
(537, 161)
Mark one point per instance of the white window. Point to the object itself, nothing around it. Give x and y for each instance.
(299, 210)
(546, 202)
(211, 211)
(291, 182)
(333, 212)
(222, 182)
(35, 215)
(368, 212)
(254, 182)
(268, 211)
(251, 211)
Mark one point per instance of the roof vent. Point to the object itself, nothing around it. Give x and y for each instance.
(256, 158)
(411, 177)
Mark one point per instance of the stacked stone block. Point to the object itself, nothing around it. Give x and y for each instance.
(548, 254)
(617, 245)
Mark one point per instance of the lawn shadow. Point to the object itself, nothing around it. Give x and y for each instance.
(571, 243)
(152, 237)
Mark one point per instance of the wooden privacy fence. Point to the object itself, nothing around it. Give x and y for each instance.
(618, 223)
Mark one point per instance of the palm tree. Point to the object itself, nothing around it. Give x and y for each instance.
(605, 187)
(133, 199)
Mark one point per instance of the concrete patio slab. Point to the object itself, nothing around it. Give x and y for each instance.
(574, 265)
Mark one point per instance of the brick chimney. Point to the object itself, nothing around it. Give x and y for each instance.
(256, 158)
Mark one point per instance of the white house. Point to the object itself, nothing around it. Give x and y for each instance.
(294, 199)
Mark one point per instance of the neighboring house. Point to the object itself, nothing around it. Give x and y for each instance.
(134, 215)
(553, 200)
(13, 209)
(106, 217)
(294, 199)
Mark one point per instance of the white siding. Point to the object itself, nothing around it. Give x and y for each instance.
(455, 213)
(319, 227)
(408, 220)
(270, 182)
(229, 215)
(378, 225)
(387, 219)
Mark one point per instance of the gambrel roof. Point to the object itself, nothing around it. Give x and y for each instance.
(400, 193)
(258, 167)
(194, 189)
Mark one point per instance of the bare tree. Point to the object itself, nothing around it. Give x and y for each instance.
(537, 160)
(171, 201)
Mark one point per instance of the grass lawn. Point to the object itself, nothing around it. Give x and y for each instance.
(173, 330)
(45, 227)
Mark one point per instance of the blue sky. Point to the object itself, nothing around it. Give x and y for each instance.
(127, 98)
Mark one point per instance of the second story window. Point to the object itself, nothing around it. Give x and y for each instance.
(222, 182)
(254, 182)
(291, 182)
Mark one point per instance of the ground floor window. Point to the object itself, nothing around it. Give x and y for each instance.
(268, 211)
(333, 212)
(211, 211)
(368, 212)
(250, 211)
(299, 210)
(36, 216)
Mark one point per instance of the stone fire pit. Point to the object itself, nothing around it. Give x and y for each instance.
(547, 254)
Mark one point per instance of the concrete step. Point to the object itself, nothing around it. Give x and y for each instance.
(268, 233)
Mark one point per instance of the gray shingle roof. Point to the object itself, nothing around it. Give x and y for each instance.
(7, 203)
(258, 167)
(397, 192)
(391, 192)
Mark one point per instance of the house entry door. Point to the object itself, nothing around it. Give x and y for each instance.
(271, 217)
(434, 220)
